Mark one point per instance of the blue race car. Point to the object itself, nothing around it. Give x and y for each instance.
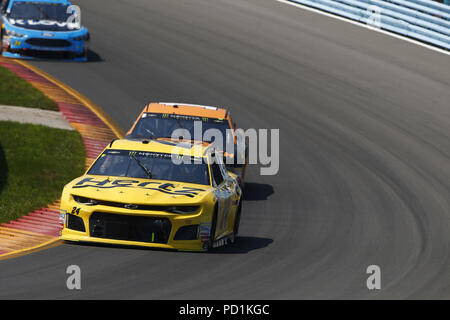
(42, 29)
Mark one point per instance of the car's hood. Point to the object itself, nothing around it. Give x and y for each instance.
(137, 191)
(43, 25)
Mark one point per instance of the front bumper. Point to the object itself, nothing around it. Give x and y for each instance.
(44, 48)
(116, 226)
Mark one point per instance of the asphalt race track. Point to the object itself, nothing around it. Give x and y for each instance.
(364, 175)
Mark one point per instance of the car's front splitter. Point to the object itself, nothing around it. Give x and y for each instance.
(7, 54)
(186, 245)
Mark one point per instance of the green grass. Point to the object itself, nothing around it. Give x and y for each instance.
(15, 91)
(35, 164)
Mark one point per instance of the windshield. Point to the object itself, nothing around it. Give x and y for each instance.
(159, 125)
(40, 11)
(159, 166)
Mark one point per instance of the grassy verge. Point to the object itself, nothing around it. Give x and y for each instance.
(35, 163)
(15, 91)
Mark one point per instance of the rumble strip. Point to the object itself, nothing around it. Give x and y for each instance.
(40, 228)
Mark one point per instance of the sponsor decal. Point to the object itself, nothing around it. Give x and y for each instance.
(167, 188)
(6, 42)
(205, 230)
(62, 220)
(183, 117)
(48, 23)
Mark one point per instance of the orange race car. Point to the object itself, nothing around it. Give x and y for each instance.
(161, 119)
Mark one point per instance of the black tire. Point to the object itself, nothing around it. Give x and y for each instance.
(237, 220)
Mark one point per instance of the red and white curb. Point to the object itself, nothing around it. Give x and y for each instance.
(41, 227)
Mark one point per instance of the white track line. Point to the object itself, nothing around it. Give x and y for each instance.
(364, 26)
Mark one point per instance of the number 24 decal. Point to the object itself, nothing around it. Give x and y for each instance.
(76, 210)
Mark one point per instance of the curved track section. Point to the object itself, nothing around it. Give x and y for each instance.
(364, 177)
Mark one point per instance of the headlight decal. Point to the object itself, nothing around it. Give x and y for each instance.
(85, 201)
(14, 34)
(182, 209)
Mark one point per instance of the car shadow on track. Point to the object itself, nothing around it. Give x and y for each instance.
(243, 244)
(54, 57)
(93, 56)
(257, 191)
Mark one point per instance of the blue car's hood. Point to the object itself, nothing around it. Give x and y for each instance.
(41, 25)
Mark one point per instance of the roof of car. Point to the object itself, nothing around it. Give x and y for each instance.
(46, 1)
(186, 109)
(163, 145)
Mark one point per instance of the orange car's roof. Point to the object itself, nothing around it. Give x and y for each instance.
(186, 109)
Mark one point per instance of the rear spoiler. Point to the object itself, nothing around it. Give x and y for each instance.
(188, 105)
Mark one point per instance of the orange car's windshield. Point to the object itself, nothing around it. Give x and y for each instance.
(158, 125)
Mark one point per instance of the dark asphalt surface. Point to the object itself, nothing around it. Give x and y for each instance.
(364, 174)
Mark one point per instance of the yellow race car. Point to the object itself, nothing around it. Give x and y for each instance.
(156, 193)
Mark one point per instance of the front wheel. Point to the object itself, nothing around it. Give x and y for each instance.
(212, 234)
(237, 219)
